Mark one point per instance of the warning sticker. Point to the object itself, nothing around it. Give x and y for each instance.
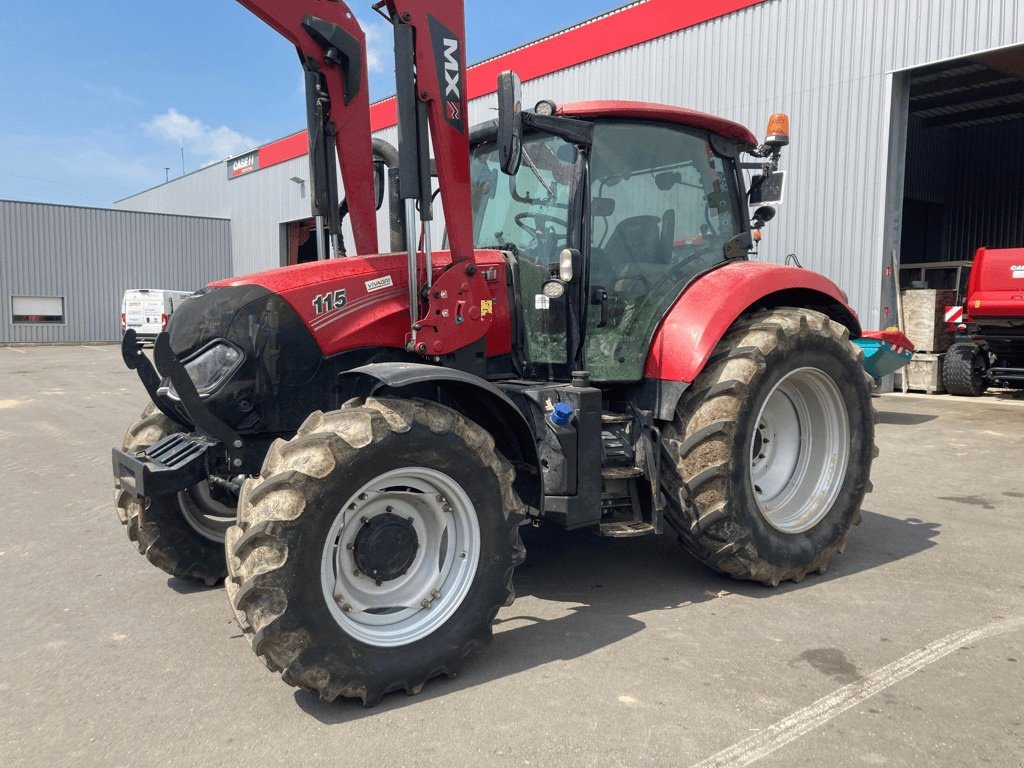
(541, 301)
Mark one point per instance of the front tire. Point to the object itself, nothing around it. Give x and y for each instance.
(769, 456)
(963, 370)
(375, 548)
(182, 534)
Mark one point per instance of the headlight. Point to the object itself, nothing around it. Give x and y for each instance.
(211, 367)
(553, 289)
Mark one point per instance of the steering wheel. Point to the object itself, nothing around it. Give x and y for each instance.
(698, 254)
(635, 285)
(539, 220)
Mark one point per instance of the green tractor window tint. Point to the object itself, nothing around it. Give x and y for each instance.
(663, 207)
(527, 214)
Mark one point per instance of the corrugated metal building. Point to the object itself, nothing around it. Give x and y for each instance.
(63, 269)
(905, 125)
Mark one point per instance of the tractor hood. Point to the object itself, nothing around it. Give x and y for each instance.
(362, 301)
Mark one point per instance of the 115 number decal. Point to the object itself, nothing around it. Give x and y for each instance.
(328, 302)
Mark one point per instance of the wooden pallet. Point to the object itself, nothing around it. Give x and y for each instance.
(924, 374)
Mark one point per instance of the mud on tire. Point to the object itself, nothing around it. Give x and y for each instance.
(291, 518)
(708, 460)
(158, 526)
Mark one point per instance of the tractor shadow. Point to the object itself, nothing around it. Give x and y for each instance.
(903, 419)
(601, 586)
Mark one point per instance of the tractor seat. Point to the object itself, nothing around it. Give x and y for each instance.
(637, 238)
(640, 251)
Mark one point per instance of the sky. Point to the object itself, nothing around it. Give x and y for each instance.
(97, 99)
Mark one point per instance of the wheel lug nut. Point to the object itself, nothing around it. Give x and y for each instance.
(408, 520)
(362, 497)
(357, 572)
(447, 508)
(378, 583)
(350, 547)
(389, 509)
(439, 497)
(346, 608)
(364, 520)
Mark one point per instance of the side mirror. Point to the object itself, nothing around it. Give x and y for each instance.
(665, 181)
(763, 215)
(602, 207)
(767, 189)
(510, 122)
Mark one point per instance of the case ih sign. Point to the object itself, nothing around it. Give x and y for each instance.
(243, 164)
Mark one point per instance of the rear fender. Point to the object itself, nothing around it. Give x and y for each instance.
(706, 310)
(472, 396)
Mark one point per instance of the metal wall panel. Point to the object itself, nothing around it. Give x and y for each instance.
(256, 204)
(90, 256)
(824, 62)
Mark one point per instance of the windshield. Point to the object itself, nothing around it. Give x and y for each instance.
(528, 215)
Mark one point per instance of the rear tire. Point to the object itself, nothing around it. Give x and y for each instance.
(176, 533)
(769, 455)
(963, 370)
(338, 607)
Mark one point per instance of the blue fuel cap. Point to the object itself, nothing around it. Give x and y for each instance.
(562, 414)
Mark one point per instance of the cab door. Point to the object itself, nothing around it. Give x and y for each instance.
(663, 206)
(534, 216)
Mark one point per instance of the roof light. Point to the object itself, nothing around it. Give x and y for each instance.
(545, 108)
(778, 129)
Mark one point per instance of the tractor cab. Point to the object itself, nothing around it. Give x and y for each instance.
(604, 233)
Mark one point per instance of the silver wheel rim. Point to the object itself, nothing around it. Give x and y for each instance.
(800, 450)
(206, 516)
(416, 603)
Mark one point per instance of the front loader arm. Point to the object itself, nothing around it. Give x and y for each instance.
(440, 29)
(329, 40)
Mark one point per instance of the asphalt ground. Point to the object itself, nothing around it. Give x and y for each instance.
(908, 652)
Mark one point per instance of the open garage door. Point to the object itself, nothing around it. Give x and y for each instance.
(964, 167)
(299, 242)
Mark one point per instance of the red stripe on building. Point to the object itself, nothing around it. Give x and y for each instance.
(592, 40)
(284, 149)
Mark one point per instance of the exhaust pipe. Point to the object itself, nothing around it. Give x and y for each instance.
(396, 214)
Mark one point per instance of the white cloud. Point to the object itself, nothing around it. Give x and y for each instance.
(374, 47)
(197, 137)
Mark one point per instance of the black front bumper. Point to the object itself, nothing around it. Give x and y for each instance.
(178, 461)
(172, 464)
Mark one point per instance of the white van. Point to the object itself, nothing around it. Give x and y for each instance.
(147, 310)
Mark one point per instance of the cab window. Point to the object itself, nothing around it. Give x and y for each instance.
(663, 206)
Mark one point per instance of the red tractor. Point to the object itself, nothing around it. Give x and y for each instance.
(355, 443)
(989, 350)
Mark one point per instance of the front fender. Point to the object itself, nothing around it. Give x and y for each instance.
(476, 398)
(706, 310)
